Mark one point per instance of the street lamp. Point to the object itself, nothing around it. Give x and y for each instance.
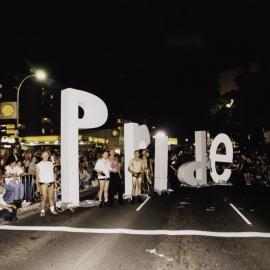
(40, 76)
(159, 134)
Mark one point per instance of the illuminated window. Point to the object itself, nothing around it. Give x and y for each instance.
(46, 120)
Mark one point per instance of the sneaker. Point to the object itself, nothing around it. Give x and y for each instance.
(42, 213)
(25, 204)
(54, 213)
(106, 204)
(100, 205)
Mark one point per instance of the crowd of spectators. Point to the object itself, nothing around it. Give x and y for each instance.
(18, 169)
(251, 168)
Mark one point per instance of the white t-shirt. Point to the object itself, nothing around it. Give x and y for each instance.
(104, 166)
(19, 170)
(14, 171)
(46, 173)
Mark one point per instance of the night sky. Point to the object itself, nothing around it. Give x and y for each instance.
(155, 60)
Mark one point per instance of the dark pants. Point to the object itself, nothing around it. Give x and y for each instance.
(6, 215)
(115, 187)
(174, 182)
(8, 197)
(27, 181)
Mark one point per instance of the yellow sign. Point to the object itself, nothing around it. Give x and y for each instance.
(10, 126)
(40, 139)
(173, 141)
(8, 110)
(11, 131)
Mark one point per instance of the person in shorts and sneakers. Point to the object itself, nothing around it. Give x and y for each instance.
(46, 183)
(102, 168)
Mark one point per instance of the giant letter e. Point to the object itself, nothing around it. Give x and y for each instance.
(95, 115)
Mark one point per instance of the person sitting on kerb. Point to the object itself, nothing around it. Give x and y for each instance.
(7, 211)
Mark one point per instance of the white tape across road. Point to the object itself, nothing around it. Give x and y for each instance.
(241, 215)
(141, 206)
(137, 232)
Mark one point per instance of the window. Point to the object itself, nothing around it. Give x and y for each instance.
(46, 120)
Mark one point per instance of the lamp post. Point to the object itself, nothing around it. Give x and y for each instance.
(40, 75)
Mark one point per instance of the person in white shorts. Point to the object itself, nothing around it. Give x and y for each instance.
(46, 182)
(102, 168)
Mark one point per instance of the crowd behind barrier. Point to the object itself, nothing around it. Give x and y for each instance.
(18, 172)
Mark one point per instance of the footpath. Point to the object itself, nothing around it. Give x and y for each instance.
(30, 209)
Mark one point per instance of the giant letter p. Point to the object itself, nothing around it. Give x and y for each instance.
(95, 115)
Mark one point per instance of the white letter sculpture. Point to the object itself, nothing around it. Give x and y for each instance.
(95, 115)
(135, 137)
(227, 158)
(187, 170)
(161, 163)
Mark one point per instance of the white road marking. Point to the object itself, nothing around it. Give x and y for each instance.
(141, 206)
(241, 215)
(137, 232)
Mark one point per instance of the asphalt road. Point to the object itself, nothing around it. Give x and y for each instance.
(197, 209)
